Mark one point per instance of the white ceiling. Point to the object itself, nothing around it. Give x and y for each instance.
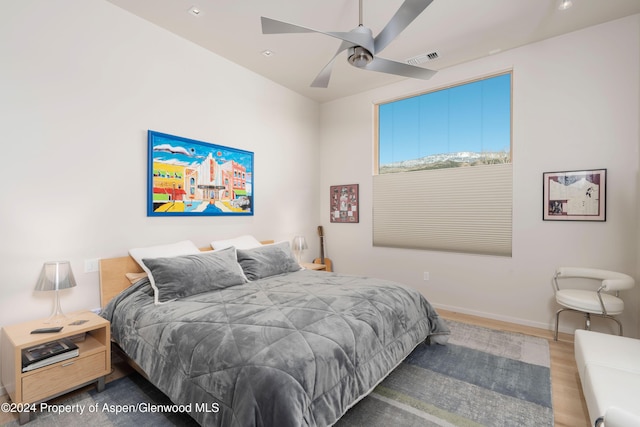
(459, 30)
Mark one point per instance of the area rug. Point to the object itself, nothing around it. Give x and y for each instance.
(483, 377)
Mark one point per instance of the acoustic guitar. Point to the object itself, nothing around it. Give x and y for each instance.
(323, 260)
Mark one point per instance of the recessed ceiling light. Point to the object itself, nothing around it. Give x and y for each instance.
(565, 4)
(195, 11)
(267, 53)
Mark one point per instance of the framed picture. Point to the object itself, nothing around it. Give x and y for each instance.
(193, 178)
(344, 203)
(574, 195)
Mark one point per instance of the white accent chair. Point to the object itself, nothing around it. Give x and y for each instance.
(600, 300)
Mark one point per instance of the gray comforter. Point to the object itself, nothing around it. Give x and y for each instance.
(296, 349)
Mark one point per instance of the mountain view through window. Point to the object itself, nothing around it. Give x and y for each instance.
(464, 125)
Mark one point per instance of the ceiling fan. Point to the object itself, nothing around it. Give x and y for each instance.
(361, 45)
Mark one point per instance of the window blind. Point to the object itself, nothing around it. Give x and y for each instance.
(465, 209)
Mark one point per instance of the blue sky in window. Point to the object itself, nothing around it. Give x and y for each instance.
(471, 117)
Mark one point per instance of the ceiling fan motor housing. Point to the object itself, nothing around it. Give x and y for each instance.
(360, 56)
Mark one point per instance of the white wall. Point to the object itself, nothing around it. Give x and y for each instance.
(575, 106)
(81, 82)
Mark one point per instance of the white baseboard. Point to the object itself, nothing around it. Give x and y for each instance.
(516, 320)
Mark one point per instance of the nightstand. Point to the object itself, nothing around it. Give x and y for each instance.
(313, 266)
(92, 364)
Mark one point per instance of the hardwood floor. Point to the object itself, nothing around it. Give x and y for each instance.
(569, 407)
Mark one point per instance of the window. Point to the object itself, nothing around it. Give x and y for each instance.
(443, 175)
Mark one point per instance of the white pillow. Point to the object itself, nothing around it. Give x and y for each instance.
(185, 247)
(241, 242)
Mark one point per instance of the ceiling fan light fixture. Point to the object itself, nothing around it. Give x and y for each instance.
(359, 56)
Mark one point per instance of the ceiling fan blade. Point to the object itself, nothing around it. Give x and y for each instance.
(356, 37)
(272, 26)
(399, 69)
(322, 79)
(409, 10)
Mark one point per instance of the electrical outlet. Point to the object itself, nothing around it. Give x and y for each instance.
(426, 275)
(91, 265)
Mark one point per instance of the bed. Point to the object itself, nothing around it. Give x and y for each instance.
(245, 337)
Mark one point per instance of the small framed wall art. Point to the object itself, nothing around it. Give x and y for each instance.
(574, 195)
(344, 203)
(194, 178)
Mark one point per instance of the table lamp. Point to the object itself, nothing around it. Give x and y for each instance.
(54, 276)
(298, 245)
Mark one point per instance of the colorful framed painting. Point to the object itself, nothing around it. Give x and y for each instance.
(344, 203)
(574, 195)
(194, 178)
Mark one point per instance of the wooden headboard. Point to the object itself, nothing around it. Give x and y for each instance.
(113, 279)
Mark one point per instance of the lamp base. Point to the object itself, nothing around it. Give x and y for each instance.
(57, 316)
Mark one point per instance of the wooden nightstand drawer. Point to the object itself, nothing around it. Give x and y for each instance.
(70, 373)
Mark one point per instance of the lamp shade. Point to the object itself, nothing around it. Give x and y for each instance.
(299, 243)
(55, 275)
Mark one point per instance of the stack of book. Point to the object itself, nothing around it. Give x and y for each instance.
(48, 353)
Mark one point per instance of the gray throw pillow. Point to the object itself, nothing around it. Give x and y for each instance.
(186, 275)
(267, 260)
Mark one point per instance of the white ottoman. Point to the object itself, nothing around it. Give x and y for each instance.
(609, 369)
